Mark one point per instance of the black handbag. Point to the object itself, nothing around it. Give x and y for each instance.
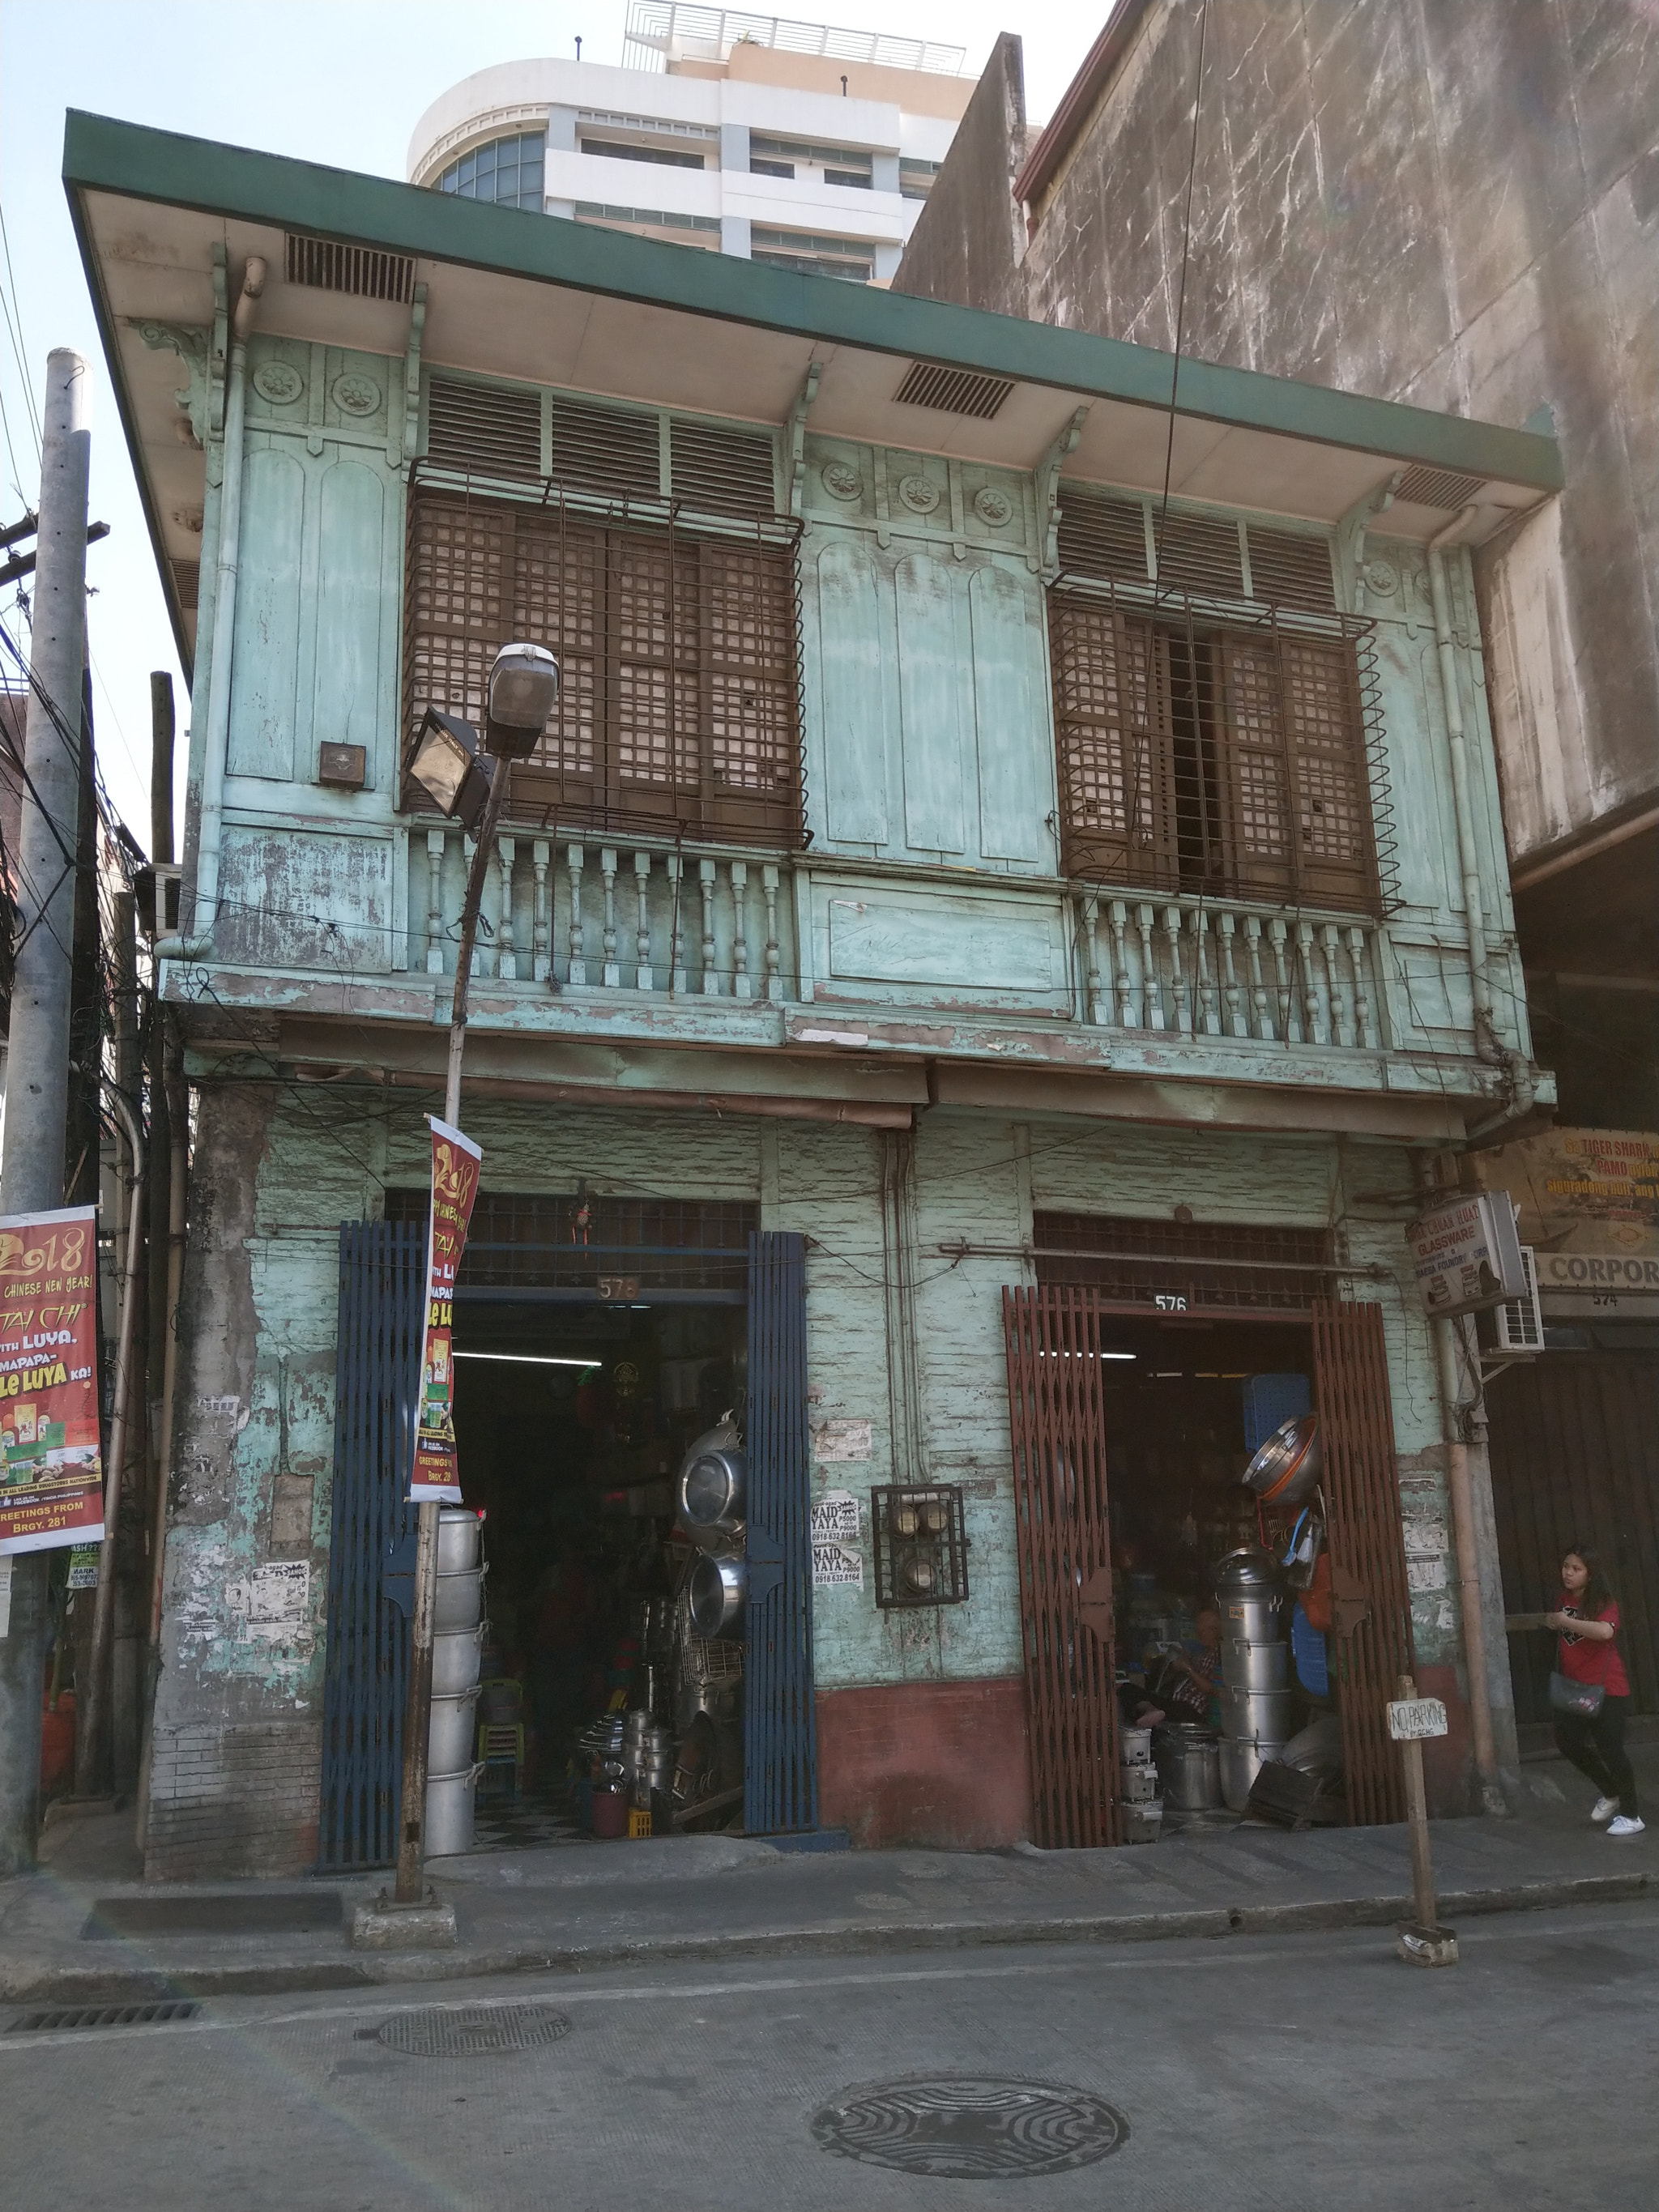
(1583, 1700)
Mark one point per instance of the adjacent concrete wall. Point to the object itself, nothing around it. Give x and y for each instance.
(1452, 206)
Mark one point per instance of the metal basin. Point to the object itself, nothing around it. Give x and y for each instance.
(1255, 1666)
(1240, 1765)
(714, 1487)
(450, 1800)
(720, 1589)
(456, 1659)
(459, 1532)
(460, 1603)
(453, 1732)
(1256, 1715)
(1287, 1467)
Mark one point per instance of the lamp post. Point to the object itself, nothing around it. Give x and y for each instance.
(472, 788)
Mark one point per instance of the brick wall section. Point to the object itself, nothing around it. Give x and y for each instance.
(234, 1799)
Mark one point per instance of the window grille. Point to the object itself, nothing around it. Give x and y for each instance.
(678, 708)
(1234, 757)
(952, 391)
(1214, 1266)
(528, 1241)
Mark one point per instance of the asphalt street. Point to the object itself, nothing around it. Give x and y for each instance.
(1284, 2073)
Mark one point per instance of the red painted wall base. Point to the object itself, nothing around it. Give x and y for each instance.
(940, 1764)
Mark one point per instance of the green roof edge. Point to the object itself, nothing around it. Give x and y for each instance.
(101, 153)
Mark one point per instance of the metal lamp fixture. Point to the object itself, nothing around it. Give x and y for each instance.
(523, 689)
(445, 761)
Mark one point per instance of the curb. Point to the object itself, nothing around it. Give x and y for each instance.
(94, 1985)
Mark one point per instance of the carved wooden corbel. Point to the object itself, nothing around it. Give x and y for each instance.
(794, 453)
(1351, 538)
(1045, 555)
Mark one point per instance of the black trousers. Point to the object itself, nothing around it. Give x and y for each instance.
(1596, 1747)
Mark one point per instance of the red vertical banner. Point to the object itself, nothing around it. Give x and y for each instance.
(52, 1473)
(455, 1159)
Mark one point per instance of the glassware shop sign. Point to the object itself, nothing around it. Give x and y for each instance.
(435, 1474)
(51, 1481)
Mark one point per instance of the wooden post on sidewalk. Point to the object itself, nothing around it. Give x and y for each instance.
(1422, 1943)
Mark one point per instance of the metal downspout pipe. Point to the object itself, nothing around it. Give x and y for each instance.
(205, 907)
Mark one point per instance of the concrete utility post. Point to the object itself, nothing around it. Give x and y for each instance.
(37, 1084)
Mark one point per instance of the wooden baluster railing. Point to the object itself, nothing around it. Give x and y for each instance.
(612, 970)
(1152, 997)
(642, 976)
(1358, 951)
(1088, 918)
(1184, 1012)
(674, 867)
(775, 990)
(1120, 964)
(1205, 984)
(1327, 944)
(1261, 1004)
(742, 988)
(573, 859)
(1284, 984)
(1312, 1028)
(506, 959)
(711, 979)
(437, 841)
(541, 929)
(1232, 996)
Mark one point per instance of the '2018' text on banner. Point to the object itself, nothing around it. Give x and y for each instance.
(51, 1474)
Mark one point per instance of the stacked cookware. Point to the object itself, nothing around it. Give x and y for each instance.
(647, 1768)
(458, 1625)
(1255, 1680)
(1137, 1787)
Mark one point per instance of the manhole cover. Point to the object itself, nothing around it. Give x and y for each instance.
(964, 2128)
(473, 2031)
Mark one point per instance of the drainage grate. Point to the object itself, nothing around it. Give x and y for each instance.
(473, 2031)
(964, 2128)
(133, 2015)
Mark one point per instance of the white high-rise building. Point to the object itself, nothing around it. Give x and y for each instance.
(789, 142)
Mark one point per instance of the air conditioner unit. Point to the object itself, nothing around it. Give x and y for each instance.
(1515, 1328)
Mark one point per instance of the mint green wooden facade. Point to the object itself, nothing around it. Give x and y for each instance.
(913, 1034)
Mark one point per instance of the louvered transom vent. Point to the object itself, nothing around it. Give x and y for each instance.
(364, 270)
(485, 429)
(1124, 540)
(717, 471)
(606, 451)
(1446, 489)
(953, 391)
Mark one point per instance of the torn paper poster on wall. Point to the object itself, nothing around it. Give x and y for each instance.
(274, 1602)
(837, 1566)
(841, 1440)
(834, 1518)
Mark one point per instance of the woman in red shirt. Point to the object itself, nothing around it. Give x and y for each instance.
(1587, 1619)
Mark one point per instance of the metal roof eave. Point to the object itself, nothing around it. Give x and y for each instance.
(129, 159)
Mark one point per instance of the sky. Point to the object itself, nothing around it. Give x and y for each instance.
(336, 81)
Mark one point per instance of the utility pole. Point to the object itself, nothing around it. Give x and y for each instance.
(37, 1083)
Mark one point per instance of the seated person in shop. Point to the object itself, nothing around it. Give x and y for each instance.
(1187, 1683)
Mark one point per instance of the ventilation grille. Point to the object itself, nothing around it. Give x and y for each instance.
(485, 429)
(605, 451)
(953, 391)
(363, 270)
(1104, 537)
(720, 471)
(187, 582)
(1445, 488)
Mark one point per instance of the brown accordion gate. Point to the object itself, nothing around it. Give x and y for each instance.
(1063, 1537)
(1063, 1534)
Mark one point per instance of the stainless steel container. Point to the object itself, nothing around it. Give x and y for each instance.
(1251, 1619)
(460, 1603)
(450, 1801)
(456, 1658)
(1250, 1571)
(1240, 1765)
(459, 1534)
(1134, 1747)
(1256, 1715)
(453, 1733)
(719, 1589)
(1188, 1766)
(1254, 1666)
(1137, 1785)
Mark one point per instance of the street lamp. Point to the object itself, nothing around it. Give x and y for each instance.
(445, 761)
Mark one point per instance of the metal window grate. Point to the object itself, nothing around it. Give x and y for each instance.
(953, 391)
(365, 271)
(919, 1543)
(525, 1241)
(74, 2017)
(1238, 759)
(679, 705)
(1445, 488)
(1198, 553)
(607, 451)
(1252, 1268)
(485, 429)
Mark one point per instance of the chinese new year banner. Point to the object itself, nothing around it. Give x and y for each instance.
(52, 1478)
(454, 1186)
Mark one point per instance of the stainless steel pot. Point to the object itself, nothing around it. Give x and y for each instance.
(1249, 1571)
(456, 1658)
(1286, 1469)
(1256, 1715)
(714, 1485)
(1188, 1767)
(459, 1532)
(718, 1593)
(453, 1735)
(459, 1601)
(1240, 1765)
(1250, 1619)
(1255, 1666)
(450, 1801)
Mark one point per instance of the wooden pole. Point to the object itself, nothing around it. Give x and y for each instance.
(1425, 1943)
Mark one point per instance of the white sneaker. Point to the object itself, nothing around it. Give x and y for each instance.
(1603, 1810)
(1622, 1826)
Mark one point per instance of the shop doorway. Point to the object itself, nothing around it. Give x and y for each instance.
(594, 1340)
(1126, 1371)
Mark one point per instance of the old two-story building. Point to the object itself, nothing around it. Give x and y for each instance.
(978, 970)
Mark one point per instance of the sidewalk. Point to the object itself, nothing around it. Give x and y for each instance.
(77, 1932)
